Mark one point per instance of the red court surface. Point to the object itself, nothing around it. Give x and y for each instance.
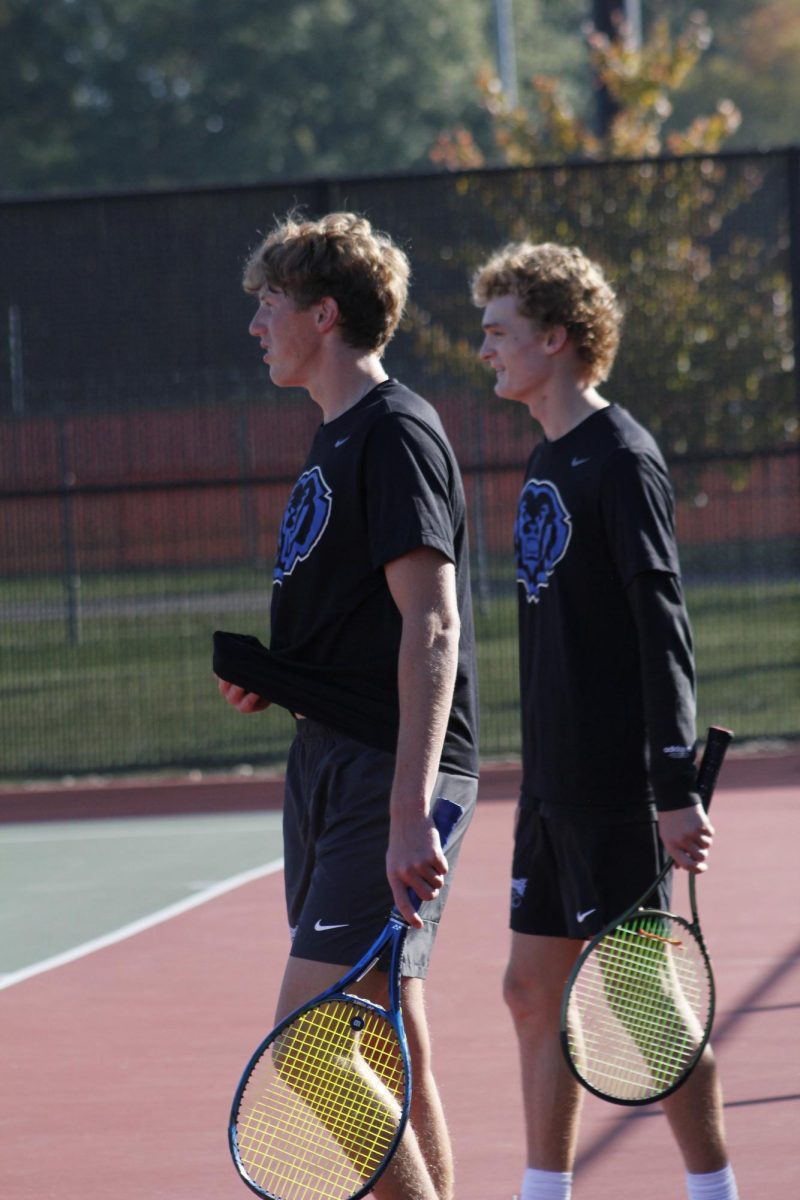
(118, 1068)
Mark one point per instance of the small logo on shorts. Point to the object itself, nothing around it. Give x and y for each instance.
(518, 887)
(320, 928)
(580, 917)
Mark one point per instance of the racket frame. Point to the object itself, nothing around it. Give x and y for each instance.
(717, 741)
(446, 814)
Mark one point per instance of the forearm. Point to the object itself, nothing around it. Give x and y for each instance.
(423, 588)
(426, 675)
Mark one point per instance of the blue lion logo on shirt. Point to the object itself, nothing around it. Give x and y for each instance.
(541, 535)
(303, 522)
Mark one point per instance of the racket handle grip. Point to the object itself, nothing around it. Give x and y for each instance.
(445, 817)
(717, 742)
(446, 814)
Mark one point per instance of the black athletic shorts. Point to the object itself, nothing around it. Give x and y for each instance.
(336, 833)
(571, 875)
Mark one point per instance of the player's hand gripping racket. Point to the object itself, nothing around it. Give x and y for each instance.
(639, 1003)
(324, 1100)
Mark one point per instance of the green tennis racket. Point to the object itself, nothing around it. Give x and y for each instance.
(639, 1003)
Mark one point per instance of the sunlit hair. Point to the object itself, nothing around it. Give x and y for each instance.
(557, 285)
(341, 256)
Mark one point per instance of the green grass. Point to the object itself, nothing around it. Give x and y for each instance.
(748, 654)
(134, 691)
(747, 648)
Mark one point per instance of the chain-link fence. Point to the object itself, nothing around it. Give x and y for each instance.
(145, 458)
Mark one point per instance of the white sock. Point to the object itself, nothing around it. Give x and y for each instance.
(716, 1185)
(546, 1185)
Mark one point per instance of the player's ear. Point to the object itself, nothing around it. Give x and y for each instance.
(556, 339)
(327, 314)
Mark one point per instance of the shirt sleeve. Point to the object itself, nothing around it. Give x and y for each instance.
(408, 491)
(639, 514)
(668, 686)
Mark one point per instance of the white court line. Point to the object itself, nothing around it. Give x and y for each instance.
(144, 923)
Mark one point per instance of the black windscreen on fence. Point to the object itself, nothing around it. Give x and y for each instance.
(145, 457)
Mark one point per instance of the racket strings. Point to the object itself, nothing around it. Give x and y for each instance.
(639, 1008)
(323, 1106)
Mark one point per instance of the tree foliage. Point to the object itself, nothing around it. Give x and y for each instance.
(97, 94)
(674, 234)
(754, 59)
(640, 81)
(134, 93)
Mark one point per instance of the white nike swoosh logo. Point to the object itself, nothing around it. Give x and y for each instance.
(581, 916)
(341, 442)
(320, 928)
(578, 462)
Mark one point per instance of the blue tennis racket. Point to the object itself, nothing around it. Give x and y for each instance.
(323, 1101)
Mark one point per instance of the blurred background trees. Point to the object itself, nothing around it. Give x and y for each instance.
(136, 94)
(709, 300)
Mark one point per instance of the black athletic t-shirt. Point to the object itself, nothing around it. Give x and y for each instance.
(380, 481)
(606, 670)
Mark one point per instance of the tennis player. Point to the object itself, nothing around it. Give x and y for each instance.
(607, 688)
(372, 641)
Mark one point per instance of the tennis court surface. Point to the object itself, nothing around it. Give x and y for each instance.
(119, 1063)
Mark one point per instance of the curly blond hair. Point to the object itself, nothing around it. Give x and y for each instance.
(557, 285)
(342, 256)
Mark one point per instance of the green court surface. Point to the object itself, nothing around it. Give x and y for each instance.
(65, 883)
